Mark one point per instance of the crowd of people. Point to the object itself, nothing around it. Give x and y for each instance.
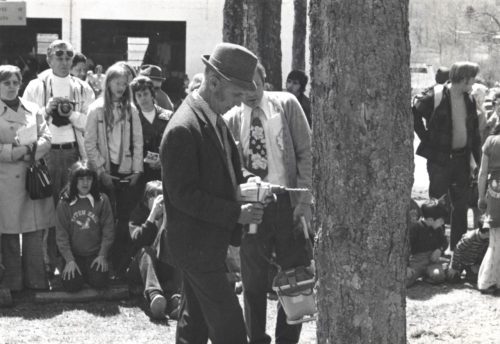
(147, 195)
(457, 123)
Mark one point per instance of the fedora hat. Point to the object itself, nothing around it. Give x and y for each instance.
(151, 71)
(234, 63)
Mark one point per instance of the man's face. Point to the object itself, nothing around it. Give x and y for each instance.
(466, 85)
(60, 61)
(254, 98)
(225, 96)
(156, 84)
(293, 86)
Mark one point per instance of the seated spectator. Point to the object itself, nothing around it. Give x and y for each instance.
(147, 231)
(427, 244)
(84, 230)
(469, 253)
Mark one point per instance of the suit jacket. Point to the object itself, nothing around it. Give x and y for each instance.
(202, 211)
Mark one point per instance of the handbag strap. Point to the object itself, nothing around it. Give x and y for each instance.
(33, 153)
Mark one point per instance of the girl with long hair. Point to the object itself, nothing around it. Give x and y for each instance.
(114, 145)
(84, 230)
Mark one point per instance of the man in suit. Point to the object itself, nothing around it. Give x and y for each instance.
(200, 171)
(275, 140)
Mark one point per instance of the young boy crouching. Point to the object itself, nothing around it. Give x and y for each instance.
(427, 243)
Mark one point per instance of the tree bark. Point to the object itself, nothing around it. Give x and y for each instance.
(299, 34)
(234, 16)
(256, 24)
(363, 167)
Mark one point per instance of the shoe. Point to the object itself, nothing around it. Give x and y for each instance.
(174, 306)
(490, 290)
(157, 306)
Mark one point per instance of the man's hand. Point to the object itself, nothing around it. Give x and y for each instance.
(481, 203)
(155, 165)
(107, 179)
(134, 177)
(251, 213)
(52, 105)
(436, 254)
(69, 270)
(302, 209)
(100, 262)
(255, 179)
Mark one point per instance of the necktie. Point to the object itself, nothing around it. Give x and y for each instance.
(257, 158)
(221, 126)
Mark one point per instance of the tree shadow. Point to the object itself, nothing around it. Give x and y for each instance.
(424, 291)
(25, 307)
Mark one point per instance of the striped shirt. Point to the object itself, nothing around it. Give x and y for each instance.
(470, 250)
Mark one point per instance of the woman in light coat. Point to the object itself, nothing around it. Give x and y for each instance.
(20, 215)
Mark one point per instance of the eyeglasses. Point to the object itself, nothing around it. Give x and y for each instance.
(60, 53)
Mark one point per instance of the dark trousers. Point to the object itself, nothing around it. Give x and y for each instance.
(155, 275)
(24, 265)
(123, 197)
(96, 279)
(209, 309)
(452, 179)
(276, 233)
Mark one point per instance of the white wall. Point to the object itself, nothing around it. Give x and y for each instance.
(203, 19)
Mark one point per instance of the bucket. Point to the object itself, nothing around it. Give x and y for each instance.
(295, 290)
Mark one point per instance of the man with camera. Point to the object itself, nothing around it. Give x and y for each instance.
(65, 99)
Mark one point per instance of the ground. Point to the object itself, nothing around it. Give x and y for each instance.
(448, 313)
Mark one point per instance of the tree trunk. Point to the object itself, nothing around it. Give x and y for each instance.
(256, 24)
(363, 167)
(234, 16)
(299, 34)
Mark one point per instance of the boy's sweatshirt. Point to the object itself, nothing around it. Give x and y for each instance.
(84, 227)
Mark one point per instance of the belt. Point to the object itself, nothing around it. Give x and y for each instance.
(68, 145)
(458, 152)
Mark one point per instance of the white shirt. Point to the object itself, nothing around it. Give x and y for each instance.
(61, 87)
(273, 131)
(150, 115)
(115, 137)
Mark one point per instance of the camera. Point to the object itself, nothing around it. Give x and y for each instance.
(60, 115)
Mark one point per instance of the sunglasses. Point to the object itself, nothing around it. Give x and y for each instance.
(60, 53)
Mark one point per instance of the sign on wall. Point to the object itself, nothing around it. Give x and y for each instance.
(12, 13)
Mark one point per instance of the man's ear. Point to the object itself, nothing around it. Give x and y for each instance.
(213, 81)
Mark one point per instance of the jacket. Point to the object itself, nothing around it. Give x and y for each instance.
(96, 141)
(18, 212)
(39, 90)
(297, 153)
(200, 200)
(436, 134)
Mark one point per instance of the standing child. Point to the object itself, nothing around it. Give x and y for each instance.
(84, 230)
(427, 244)
(489, 199)
(114, 141)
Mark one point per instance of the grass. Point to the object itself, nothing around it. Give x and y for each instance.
(447, 313)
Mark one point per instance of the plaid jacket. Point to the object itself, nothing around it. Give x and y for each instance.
(436, 134)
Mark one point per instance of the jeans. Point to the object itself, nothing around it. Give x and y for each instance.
(453, 180)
